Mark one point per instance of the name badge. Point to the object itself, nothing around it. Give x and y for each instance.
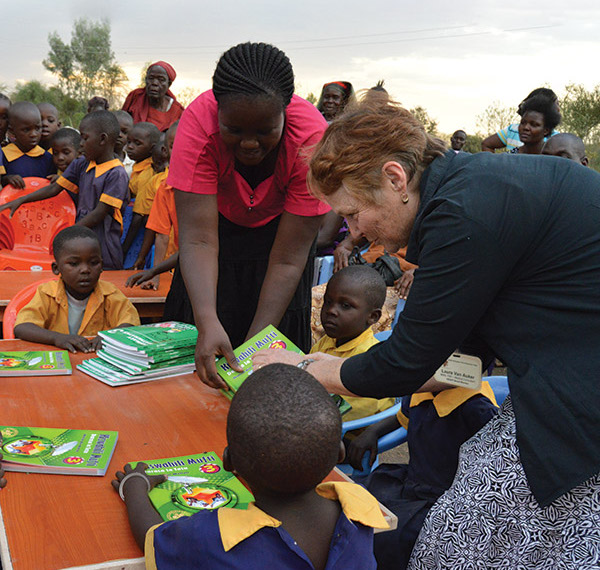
(461, 370)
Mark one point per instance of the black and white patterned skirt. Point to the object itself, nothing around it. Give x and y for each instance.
(489, 519)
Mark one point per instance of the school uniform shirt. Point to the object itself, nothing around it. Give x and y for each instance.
(91, 183)
(202, 164)
(163, 216)
(147, 193)
(36, 162)
(361, 407)
(252, 539)
(141, 174)
(508, 250)
(106, 308)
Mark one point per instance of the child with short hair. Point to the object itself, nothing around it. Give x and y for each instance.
(98, 183)
(24, 157)
(352, 303)
(65, 148)
(141, 140)
(50, 124)
(283, 437)
(64, 312)
(4, 106)
(438, 424)
(125, 125)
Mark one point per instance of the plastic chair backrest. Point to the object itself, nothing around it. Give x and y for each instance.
(26, 238)
(16, 304)
(500, 387)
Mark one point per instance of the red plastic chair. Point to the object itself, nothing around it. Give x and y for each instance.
(16, 304)
(26, 238)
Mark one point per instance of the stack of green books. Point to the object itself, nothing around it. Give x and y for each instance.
(139, 354)
(269, 337)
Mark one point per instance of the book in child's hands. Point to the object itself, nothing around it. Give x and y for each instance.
(57, 450)
(194, 483)
(269, 337)
(35, 363)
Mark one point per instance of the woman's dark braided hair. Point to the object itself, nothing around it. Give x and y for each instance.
(254, 69)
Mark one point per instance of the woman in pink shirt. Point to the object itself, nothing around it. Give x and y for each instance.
(247, 221)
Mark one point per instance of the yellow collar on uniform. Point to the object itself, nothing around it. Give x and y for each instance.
(12, 152)
(357, 504)
(103, 167)
(328, 345)
(142, 164)
(447, 401)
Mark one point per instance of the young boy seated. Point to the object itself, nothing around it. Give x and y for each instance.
(566, 145)
(64, 312)
(438, 424)
(141, 140)
(283, 437)
(4, 106)
(351, 304)
(65, 148)
(50, 124)
(125, 125)
(24, 157)
(98, 183)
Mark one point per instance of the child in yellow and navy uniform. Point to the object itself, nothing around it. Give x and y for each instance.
(437, 424)
(98, 184)
(64, 312)
(50, 124)
(283, 452)
(65, 148)
(24, 157)
(351, 304)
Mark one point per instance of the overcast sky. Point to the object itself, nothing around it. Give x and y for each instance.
(452, 57)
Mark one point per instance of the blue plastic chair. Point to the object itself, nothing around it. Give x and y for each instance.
(326, 270)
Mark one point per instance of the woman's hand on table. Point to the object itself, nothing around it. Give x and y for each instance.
(213, 342)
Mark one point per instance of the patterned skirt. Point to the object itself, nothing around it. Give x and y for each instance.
(489, 519)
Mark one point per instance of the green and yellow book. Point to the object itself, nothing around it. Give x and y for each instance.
(269, 337)
(194, 483)
(57, 450)
(35, 363)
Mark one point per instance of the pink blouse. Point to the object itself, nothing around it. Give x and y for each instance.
(201, 164)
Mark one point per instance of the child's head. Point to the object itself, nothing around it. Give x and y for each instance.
(99, 133)
(141, 140)
(171, 132)
(539, 117)
(78, 260)
(352, 302)
(4, 106)
(25, 125)
(458, 140)
(125, 124)
(566, 145)
(160, 153)
(65, 147)
(97, 104)
(283, 431)
(50, 123)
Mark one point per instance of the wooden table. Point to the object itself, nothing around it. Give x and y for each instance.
(149, 303)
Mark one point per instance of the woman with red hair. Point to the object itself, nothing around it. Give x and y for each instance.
(155, 103)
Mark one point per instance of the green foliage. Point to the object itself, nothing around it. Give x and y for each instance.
(496, 117)
(473, 143)
(70, 110)
(311, 98)
(430, 124)
(580, 111)
(86, 65)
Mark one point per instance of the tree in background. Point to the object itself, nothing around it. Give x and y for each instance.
(86, 66)
(580, 111)
(496, 117)
(430, 124)
(311, 98)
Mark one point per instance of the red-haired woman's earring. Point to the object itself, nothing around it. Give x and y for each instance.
(404, 198)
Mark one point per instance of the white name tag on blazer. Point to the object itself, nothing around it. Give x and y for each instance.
(461, 370)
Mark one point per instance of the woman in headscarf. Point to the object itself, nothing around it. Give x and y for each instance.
(155, 103)
(334, 97)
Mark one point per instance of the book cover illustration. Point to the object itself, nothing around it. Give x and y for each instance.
(57, 450)
(269, 337)
(195, 483)
(35, 363)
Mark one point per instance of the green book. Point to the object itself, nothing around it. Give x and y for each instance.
(269, 337)
(57, 450)
(151, 339)
(136, 368)
(194, 483)
(35, 363)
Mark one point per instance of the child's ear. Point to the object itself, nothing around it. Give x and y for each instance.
(55, 268)
(374, 316)
(341, 452)
(103, 138)
(227, 464)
